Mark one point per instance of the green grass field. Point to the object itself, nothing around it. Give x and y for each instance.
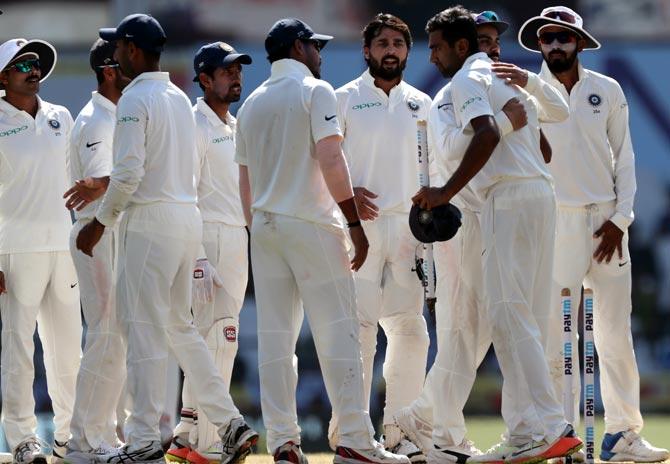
(486, 432)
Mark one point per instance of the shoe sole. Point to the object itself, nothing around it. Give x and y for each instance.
(40, 460)
(173, 458)
(630, 458)
(556, 451)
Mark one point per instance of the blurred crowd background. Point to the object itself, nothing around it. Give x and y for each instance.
(636, 51)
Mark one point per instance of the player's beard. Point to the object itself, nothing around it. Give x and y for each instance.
(561, 59)
(377, 68)
(233, 95)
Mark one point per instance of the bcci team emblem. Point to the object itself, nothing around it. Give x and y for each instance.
(226, 47)
(54, 124)
(413, 106)
(595, 99)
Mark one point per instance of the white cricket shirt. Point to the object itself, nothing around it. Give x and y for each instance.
(593, 160)
(90, 153)
(476, 91)
(33, 178)
(380, 140)
(218, 182)
(154, 147)
(278, 127)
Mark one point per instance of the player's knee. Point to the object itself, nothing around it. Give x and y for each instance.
(223, 337)
(406, 325)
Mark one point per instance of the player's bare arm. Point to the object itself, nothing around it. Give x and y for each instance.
(545, 146)
(516, 113)
(85, 191)
(367, 210)
(336, 174)
(611, 240)
(477, 154)
(3, 287)
(245, 194)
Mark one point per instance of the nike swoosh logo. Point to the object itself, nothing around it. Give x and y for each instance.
(73, 285)
(439, 107)
(89, 145)
(328, 118)
(516, 453)
(623, 264)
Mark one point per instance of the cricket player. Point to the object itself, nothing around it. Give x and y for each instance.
(517, 221)
(378, 112)
(220, 276)
(594, 172)
(102, 373)
(152, 180)
(464, 334)
(293, 180)
(38, 282)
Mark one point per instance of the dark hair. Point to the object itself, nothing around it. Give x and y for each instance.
(455, 23)
(280, 53)
(382, 20)
(208, 70)
(99, 75)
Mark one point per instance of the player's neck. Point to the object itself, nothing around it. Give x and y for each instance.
(220, 108)
(110, 92)
(385, 85)
(570, 77)
(27, 103)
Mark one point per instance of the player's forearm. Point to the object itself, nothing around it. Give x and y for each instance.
(334, 168)
(552, 105)
(477, 154)
(245, 194)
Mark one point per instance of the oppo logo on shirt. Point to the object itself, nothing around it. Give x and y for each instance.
(128, 119)
(222, 139)
(364, 106)
(14, 131)
(469, 101)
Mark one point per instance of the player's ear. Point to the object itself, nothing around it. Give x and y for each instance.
(581, 44)
(366, 52)
(462, 47)
(205, 80)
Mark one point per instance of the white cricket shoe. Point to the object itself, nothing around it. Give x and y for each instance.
(416, 430)
(406, 448)
(29, 451)
(454, 454)
(59, 449)
(630, 446)
(87, 457)
(151, 453)
(237, 440)
(375, 455)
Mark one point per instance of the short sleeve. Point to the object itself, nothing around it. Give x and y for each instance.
(323, 112)
(470, 97)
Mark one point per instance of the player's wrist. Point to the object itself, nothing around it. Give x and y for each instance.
(348, 208)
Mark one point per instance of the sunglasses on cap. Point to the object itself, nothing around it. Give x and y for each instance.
(563, 37)
(562, 16)
(486, 17)
(111, 65)
(25, 66)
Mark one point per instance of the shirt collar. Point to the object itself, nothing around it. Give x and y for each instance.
(211, 116)
(99, 99)
(12, 110)
(368, 80)
(477, 56)
(153, 75)
(289, 67)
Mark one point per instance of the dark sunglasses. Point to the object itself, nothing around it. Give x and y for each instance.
(316, 43)
(487, 17)
(26, 65)
(563, 37)
(561, 15)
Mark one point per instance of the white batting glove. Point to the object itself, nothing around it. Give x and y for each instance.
(205, 278)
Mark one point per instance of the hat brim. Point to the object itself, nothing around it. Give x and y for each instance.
(528, 33)
(108, 33)
(323, 39)
(233, 57)
(45, 52)
(501, 26)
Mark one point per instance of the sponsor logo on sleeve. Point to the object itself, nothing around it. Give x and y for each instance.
(225, 138)
(13, 131)
(364, 106)
(470, 101)
(123, 119)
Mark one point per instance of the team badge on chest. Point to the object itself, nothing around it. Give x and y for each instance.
(54, 124)
(595, 99)
(413, 106)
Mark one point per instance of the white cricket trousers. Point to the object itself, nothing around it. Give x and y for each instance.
(158, 246)
(390, 294)
(294, 262)
(518, 234)
(218, 321)
(463, 339)
(611, 282)
(41, 287)
(103, 368)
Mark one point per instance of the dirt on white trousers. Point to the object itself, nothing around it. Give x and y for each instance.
(611, 283)
(218, 321)
(158, 247)
(103, 364)
(41, 287)
(390, 294)
(302, 268)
